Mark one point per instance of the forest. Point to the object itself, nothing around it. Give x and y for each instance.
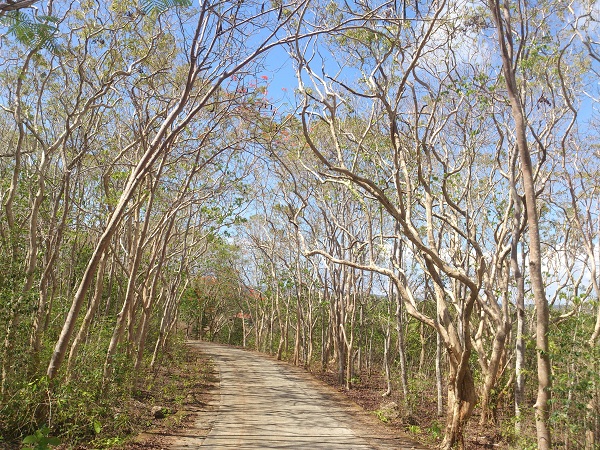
(407, 188)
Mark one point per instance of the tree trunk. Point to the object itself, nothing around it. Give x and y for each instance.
(519, 394)
(423, 342)
(491, 376)
(439, 375)
(165, 324)
(402, 355)
(386, 359)
(148, 302)
(87, 320)
(542, 404)
(53, 247)
(461, 401)
(324, 335)
(136, 248)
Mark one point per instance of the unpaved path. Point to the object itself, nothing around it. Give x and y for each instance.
(265, 404)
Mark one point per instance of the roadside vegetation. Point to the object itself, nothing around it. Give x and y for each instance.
(134, 413)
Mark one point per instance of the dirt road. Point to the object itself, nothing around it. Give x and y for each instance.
(265, 404)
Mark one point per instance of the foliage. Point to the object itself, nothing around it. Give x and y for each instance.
(576, 379)
(155, 7)
(32, 31)
(40, 440)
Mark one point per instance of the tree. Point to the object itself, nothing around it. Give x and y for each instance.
(205, 73)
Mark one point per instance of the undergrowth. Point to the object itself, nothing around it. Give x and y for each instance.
(82, 414)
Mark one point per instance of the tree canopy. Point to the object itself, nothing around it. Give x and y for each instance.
(421, 200)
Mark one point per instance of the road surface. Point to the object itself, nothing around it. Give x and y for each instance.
(266, 404)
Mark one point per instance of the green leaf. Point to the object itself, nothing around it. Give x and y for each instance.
(31, 31)
(31, 439)
(53, 441)
(97, 427)
(153, 7)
